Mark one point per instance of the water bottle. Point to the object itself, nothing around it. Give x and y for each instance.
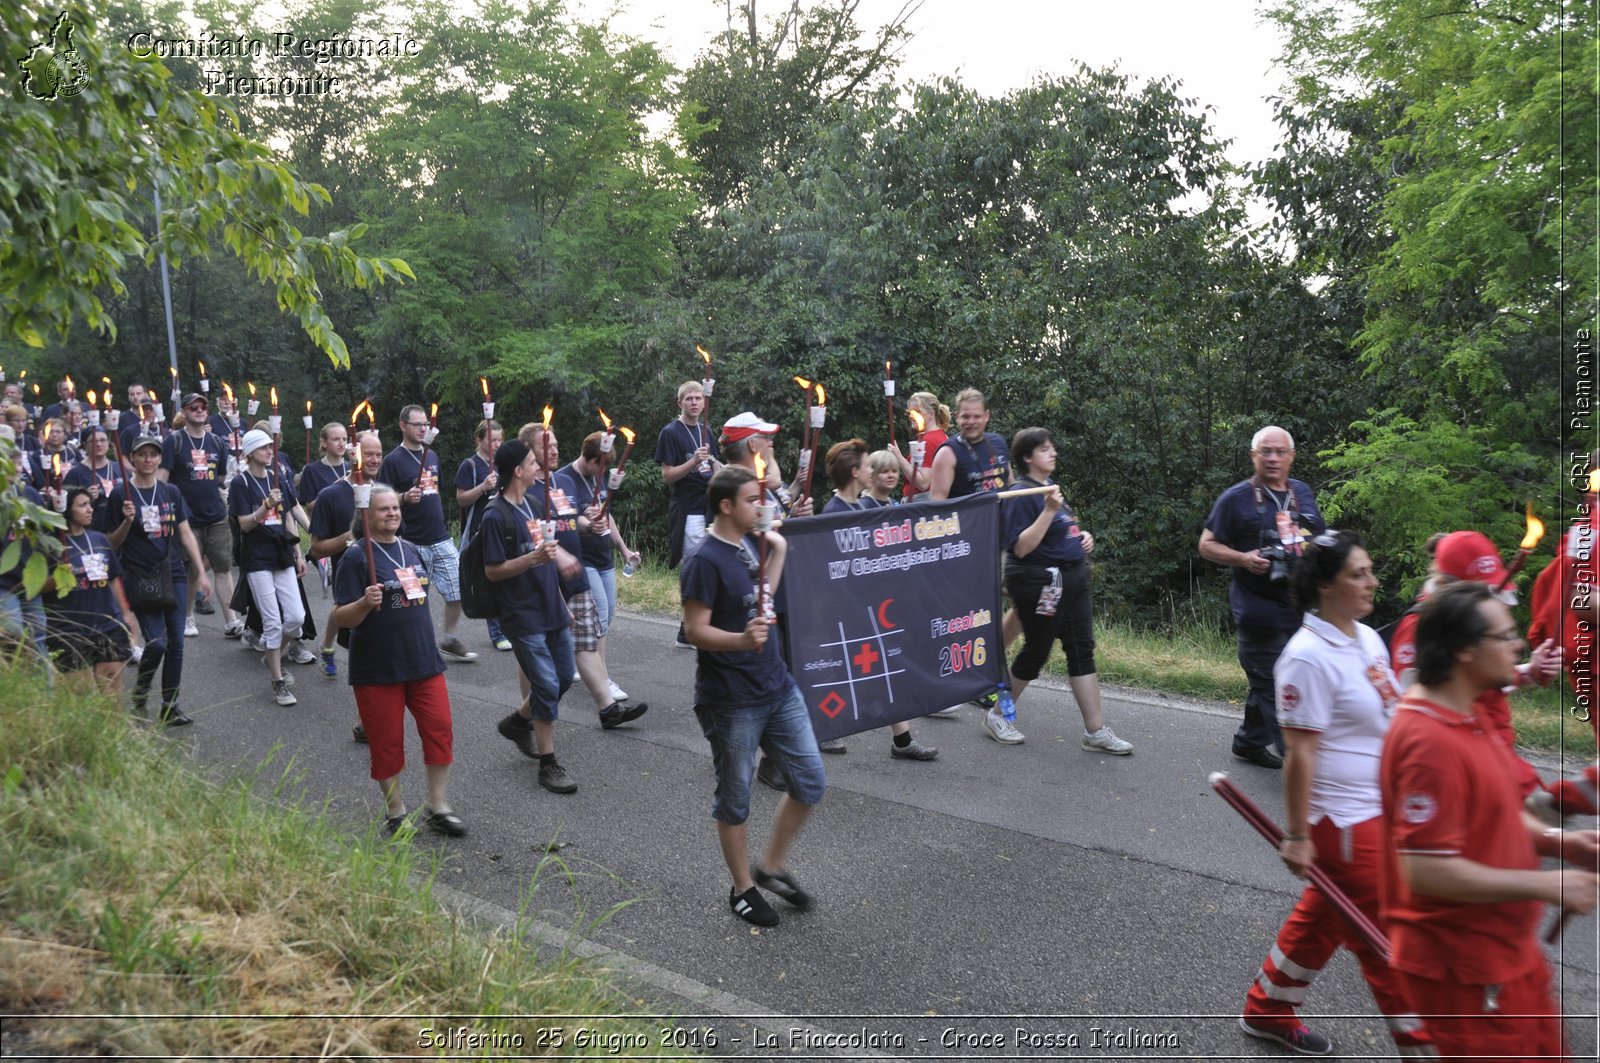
(1008, 706)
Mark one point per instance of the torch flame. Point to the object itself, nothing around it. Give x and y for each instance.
(761, 467)
(55, 464)
(627, 434)
(251, 385)
(355, 413)
(272, 392)
(433, 410)
(91, 397)
(372, 415)
(803, 382)
(604, 419)
(106, 381)
(918, 420)
(549, 411)
(22, 375)
(1535, 531)
(227, 389)
(308, 406)
(822, 396)
(704, 354)
(70, 386)
(886, 367)
(202, 367)
(44, 433)
(485, 382)
(174, 371)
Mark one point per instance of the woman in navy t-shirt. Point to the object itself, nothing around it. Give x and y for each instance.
(395, 663)
(89, 625)
(1047, 580)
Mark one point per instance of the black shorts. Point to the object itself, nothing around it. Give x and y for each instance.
(82, 648)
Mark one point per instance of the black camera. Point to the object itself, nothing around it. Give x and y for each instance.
(1280, 558)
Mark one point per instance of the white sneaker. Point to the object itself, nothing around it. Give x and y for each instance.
(1106, 741)
(281, 693)
(189, 628)
(617, 693)
(297, 653)
(1001, 729)
(252, 641)
(949, 713)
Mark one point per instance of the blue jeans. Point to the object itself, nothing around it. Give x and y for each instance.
(163, 648)
(783, 729)
(546, 659)
(19, 614)
(495, 634)
(603, 585)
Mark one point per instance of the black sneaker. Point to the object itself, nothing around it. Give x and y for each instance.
(683, 640)
(203, 606)
(616, 714)
(783, 884)
(1260, 756)
(1302, 1039)
(553, 777)
(913, 750)
(752, 907)
(520, 730)
(832, 745)
(174, 718)
(443, 823)
(988, 701)
(770, 773)
(359, 734)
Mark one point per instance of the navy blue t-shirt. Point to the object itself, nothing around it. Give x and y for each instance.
(470, 474)
(132, 428)
(258, 551)
(317, 476)
(673, 446)
(565, 513)
(530, 602)
(334, 511)
(1063, 540)
(839, 505)
(586, 491)
(12, 578)
(108, 476)
(196, 468)
(422, 523)
(145, 548)
(981, 466)
(218, 426)
(722, 576)
(90, 605)
(394, 644)
(1238, 522)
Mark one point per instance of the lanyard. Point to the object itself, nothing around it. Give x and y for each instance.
(697, 436)
(387, 556)
(1287, 505)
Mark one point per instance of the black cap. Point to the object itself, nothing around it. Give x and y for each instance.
(512, 453)
(195, 396)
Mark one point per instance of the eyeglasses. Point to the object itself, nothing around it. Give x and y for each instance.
(1509, 635)
(416, 424)
(1274, 452)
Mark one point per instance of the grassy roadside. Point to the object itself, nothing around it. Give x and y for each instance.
(137, 891)
(1193, 661)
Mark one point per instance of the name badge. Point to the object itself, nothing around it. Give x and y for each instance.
(561, 503)
(95, 568)
(428, 482)
(150, 519)
(1289, 532)
(274, 517)
(410, 583)
(536, 532)
(200, 464)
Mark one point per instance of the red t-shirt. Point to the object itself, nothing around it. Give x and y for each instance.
(1448, 790)
(932, 439)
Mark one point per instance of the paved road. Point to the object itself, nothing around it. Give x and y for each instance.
(1036, 887)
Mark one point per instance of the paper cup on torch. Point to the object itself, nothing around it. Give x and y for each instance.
(918, 450)
(819, 415)
(252, 406)
(276, 422)
(363, 493)
(888, 388)
(488, 411)
(708, 385)
(548, 527)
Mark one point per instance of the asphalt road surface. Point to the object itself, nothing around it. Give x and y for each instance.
(1004, 901)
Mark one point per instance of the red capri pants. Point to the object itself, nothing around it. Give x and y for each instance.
(383, 712)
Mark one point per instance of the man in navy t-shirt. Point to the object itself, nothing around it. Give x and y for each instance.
(687, 451)
(1258, 528)
(744, 697)
(475, 486)
(412, 468)
(520, 558)
(195, 460)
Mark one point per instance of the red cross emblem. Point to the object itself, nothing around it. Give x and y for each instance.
(865, 658)
(832, 705)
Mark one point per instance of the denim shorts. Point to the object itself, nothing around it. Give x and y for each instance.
(783, 729)
(603, 585)
(546, 659)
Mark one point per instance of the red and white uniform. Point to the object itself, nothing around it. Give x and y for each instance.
(1449, 790)
(1342, 689)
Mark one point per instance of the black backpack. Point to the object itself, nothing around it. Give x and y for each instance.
(478, 599)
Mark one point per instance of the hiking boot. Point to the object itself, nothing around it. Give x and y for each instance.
(913, 750)
(442, 822)
(502, 644)
(1001, 729)
(520, 730)
(987, 701)
(1302, 1038)
(282, 694)
(251, 640)
(616, 714)
(174, 718)
(1106, 741)
(752, 907)
(553, 777)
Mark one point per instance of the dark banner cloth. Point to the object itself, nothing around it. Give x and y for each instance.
(894, 613)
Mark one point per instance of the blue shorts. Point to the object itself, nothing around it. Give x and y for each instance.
(783, 729)
(546, 660)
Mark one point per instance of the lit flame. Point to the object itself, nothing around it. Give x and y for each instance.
(1535, 531)
(252, 388)
(202, 368)
(22, 375)
(106, 381)
(174, 371)
(627, 433)
(372, 415)
(308, 406)
(44, 433)
(356, 413)
(822, 396)
(272, 392)
(761, 468)
(886, 368)
(604, 419)
(55, 464)
(704, 354)
(36, 391)
(227, 389)
(918, 420)
(549, 411)
(70, 386)
(485, 382)
(91, 397)
(803, 382)
(433, 412)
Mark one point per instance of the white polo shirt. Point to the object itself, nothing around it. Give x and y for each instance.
(1329, 683)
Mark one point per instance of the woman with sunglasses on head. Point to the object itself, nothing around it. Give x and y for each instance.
(90, 624)
(1335, 696)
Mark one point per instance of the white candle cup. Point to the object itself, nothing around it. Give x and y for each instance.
(819, 414)
(766, 513)
(888, 388)
(112, 417)
(549, 529)
(488, 411)
(605, 442)
(615, 478)
(161, 415)
(205, 385)
(59, 497)
(276, 423)
(708, 385)
(918, 450)
(177, 398)
(94, 418)
(363, 493)
(307, 420)
(253, 406)
(2, 376)
(429, 436)
(233, 418)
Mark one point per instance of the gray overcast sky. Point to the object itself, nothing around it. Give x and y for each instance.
(1221, 51)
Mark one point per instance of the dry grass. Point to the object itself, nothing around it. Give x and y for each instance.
(138, 892)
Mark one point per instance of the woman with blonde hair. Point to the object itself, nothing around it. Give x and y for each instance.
(934, 430)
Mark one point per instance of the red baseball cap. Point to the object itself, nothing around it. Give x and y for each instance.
(1469, 555)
